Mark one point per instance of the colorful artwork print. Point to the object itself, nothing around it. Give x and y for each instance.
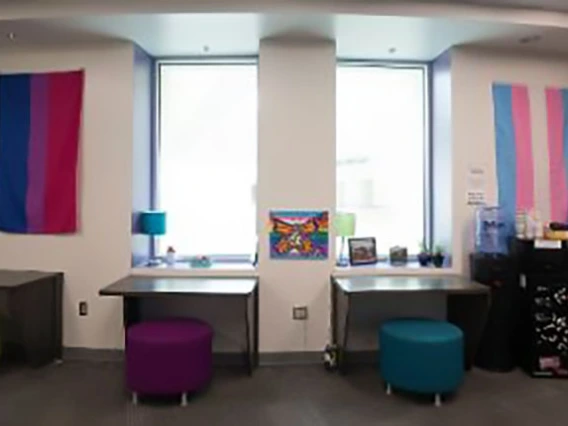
(299, 235)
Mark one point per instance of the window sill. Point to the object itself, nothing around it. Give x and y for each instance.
(385, 268)
(246, 270)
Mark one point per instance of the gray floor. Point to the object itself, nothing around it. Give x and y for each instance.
(82, 393)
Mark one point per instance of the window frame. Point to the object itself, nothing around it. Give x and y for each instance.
(247, 60)
(427, 138)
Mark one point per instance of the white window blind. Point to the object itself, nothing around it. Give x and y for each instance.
(207, 157)
(381, 134)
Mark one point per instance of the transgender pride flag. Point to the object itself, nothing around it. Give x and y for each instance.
(513, 150)
(40, 117)
(557, 109)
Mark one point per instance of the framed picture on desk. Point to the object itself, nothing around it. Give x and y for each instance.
(362, 251)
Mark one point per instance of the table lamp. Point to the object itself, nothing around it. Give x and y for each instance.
(153, 223)
(344, 227)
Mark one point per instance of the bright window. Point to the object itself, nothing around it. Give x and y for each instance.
(381, 135)
(207, 157)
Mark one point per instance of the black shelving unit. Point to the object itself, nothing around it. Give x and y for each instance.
(543, 337)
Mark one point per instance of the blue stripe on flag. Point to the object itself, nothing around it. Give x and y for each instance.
(505, 150)
(14, 146)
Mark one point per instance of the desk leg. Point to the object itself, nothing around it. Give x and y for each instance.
(58, 316)
(343, 353)
(339, 339)
(256, 325)
(31, 307)
(130, 311)
(333, 319)
(249, 360)
(469, 313)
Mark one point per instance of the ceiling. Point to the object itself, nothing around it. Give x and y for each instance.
(557, 5)
(375, 29)
(495, 9)
(356, 36)
(537, 4)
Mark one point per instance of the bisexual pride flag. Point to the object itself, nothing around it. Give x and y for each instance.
(40, 120)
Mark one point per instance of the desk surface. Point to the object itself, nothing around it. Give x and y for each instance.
(446, 284)
(13, 279)
(147, 286)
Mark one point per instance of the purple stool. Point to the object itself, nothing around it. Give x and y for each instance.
(168, 357)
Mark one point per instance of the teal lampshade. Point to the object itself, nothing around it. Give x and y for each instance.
(345, 224)
(153, 222)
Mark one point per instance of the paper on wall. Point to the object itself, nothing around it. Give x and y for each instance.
(475, 194)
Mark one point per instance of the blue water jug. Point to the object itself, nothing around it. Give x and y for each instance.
(490, 231)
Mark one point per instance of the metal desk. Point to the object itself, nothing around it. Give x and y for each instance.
(134, 288)
(467, 304)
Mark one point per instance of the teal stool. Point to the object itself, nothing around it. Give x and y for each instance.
(421, 355)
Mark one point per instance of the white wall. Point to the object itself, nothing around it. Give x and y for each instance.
(100, 252)
(143, 137)
(296, 149)
(441, 145)
(296, 170)
(473, 72)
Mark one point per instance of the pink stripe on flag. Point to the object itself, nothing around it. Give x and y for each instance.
(557, 168)
(35, 197)
(523, 141)
(64, 105)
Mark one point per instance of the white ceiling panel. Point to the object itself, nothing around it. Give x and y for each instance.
(557, 5)
(499, 10)
(356, 36)
(414, 38)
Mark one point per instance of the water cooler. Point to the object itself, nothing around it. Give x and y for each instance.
(493, 265)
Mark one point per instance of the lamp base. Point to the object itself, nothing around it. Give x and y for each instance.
(342, 261)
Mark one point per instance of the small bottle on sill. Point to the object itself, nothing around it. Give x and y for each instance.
(170, 256)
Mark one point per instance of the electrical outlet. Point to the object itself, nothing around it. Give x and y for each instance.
(300, 313)
(83, 308)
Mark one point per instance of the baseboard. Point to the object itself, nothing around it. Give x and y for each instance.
(226, 359)
(117, 355)
(290, 358)
(229, 359)
(96, 355)
(363, 357)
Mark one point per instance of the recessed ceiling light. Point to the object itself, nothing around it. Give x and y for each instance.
(392, 50)
(530, 39)
(11, 36)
